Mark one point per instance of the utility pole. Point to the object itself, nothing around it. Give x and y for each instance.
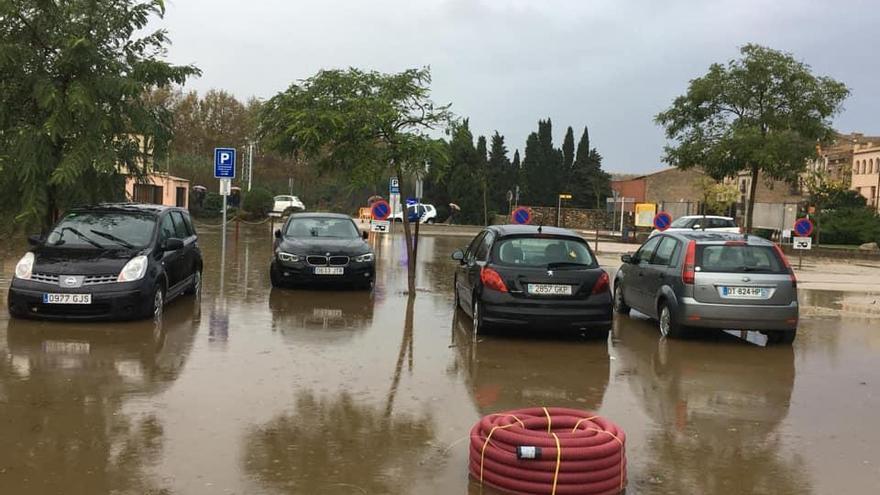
(250, 167)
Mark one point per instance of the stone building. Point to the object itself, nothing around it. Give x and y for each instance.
(836, 159)
(865, 177)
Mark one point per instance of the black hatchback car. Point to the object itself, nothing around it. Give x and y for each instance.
(543, 277)
(111, 261)
(321, 249)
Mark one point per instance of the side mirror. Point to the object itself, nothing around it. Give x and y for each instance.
(35, 240)
(458, 255)
(365, 235)
(627, 258)
(278, 233)
(172, 244)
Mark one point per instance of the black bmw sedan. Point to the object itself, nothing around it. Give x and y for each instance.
(321, 249)
(111, 261)
(527, 276)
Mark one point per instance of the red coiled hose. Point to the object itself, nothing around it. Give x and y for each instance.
(577, 452)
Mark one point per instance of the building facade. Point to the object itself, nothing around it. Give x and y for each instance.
(865, 178)
(157, 188)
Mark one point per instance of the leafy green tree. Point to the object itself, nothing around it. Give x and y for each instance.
(482, 170)
(763, 113)
(590, 184)
(73, 113)
(502, 175)
(365, 123)
(568, 149)
(463, 178)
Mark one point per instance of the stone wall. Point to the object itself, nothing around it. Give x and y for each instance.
(572, 218)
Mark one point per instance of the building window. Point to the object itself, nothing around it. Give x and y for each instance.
(862, 167)
(871, 166)
(856, 167)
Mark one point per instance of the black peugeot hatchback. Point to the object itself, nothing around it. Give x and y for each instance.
(111, 261)
(526, 276)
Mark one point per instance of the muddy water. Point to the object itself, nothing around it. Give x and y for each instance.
(260, 391)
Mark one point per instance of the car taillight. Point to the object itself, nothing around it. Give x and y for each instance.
(601, 284)
(492, 280)
(788, 266)
(688, 271)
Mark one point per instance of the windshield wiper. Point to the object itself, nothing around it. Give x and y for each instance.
(755, 269)
(84, 237)
(113, 238)
(567, 264)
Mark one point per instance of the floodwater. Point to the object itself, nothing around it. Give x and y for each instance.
(260, 391)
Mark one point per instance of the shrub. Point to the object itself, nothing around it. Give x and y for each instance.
(213, 203)
(258, 202)
(849, 226)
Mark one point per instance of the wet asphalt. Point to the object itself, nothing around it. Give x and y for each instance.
(253, 390)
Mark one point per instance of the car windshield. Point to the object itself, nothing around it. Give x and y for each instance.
(103, 230)
(739, 259)
(542, 252)
(283, 198)
(322, 227)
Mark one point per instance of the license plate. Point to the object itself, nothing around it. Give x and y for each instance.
(329, 270)
(744, 292)
(60, 347)
(327, 313)
(67, 299)
(549, 289)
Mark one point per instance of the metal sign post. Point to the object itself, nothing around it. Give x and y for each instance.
(564, 196)
(224, 169)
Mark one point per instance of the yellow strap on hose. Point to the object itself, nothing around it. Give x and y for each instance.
(581, 421)
(489, 436)
(549, 421)
(622, 450)
(558, 461)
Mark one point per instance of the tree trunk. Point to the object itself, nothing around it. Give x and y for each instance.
(407, 235)
(750, 208)
(51, 207)
(485, 206)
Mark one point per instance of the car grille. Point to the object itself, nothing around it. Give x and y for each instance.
(338, 260)
(47, 278)
(327, 260)
(84, 310)
(100, 279)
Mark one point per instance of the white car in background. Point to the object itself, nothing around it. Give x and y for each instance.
(284, 203)
(425, 212)
(695, 222)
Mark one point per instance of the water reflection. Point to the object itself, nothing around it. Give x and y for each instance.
(63, 420)
(524, 370)
(334, 313)
(716, 408)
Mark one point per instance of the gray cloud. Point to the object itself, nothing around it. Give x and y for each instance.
(611, 65)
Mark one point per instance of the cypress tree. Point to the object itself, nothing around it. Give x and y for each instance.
(568, 149)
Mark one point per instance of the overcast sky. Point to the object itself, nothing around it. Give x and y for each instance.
(608, 64)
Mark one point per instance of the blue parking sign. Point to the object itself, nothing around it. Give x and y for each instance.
(224, 163)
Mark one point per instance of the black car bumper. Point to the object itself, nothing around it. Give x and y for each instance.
(114, 301)
(353, 275)
(593, 313)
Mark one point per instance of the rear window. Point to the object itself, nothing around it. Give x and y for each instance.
(739, 259)
(682, 223)
(542, 251)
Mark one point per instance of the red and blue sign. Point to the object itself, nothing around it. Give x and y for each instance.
(803, 227)
(662, 221)
(380, 210)
(521, 216)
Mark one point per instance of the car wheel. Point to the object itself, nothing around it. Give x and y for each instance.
(668, 326)
(196, 287)
(158, 304)
(620, 306)
(477, 314)
(430, 221)
(275, 277)
(785, 337)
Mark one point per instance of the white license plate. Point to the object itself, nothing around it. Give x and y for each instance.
(67, 299)
(60, 347)
(327, 313)
(744, 292)
(329, 270)
(549, 289)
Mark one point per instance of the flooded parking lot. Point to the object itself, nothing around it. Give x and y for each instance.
(259, 391)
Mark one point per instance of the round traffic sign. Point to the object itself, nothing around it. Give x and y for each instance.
(521, 215)
(803, 227)
(380, 210)
(662, 221)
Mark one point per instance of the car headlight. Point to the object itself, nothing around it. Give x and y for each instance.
(25, 267)
(288, 257)
(135, 269)
(364, 258)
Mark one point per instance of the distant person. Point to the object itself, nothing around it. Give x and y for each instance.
(454, 209)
